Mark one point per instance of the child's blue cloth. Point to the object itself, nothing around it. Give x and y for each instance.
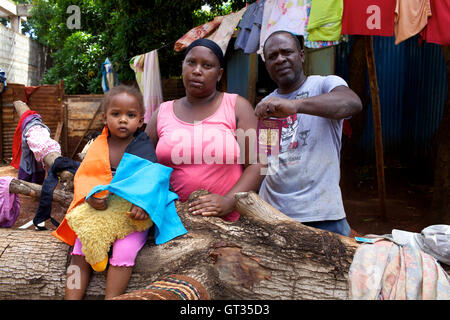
(146, 185)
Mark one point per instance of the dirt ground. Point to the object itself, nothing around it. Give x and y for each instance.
(407, 204)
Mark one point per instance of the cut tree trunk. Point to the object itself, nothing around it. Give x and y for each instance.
(264, 255)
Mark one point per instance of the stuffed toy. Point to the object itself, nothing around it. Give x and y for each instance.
(98, 229)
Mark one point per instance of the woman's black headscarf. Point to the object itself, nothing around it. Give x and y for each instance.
(214, 47)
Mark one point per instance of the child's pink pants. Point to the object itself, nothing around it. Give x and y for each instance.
(124, 250)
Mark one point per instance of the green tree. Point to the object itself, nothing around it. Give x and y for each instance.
(117, 29)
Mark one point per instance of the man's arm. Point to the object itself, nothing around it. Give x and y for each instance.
(339, 103)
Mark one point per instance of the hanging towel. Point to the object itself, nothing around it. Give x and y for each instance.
(226, 29)
(437, 29)
(9, 204)
(148, 77)
(139, 179)
(109, 76)
(153, 96)
(325, 20)
(314, 44)
(288, 15)
(411, 16)
(137, 65)
(198, 32)
(369, 17)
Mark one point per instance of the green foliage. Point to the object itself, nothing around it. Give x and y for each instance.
(77, 64)
(118, 29)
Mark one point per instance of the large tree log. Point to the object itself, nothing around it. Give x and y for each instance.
(264, 255)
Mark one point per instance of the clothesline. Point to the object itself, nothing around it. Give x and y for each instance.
(159, 48)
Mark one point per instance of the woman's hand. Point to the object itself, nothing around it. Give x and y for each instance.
(212, 205)
(98, 203)
(137, 213)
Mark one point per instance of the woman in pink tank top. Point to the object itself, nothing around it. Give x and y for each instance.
(196, 136)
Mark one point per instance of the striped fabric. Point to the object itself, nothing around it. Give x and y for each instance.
(172, 287)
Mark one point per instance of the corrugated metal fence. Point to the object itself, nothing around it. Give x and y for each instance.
(413, 89)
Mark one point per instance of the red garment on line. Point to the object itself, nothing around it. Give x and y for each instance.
(368, 17)
(438, 26)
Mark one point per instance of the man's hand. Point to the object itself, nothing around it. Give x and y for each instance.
(275, 107)
(137, 213)
(212, 205)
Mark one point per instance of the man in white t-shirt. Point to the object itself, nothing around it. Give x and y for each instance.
(303, 179)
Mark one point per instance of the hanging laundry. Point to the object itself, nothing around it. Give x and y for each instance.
(2, 80)
(369, 17)
(30, 169)
(288, 15)
(411, 16)
(314, 44)
(226, 29)
(9, 204)
(17, 139)
(325, 20)
(137, 65)
(250, 28)
(109, 76)
(437, 29)
(198, 32)
(148, 77)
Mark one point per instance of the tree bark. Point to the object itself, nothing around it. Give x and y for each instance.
(264, 255)
(32, 265)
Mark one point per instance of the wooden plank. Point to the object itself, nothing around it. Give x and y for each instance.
(86, 131)
(376, 110)
(58, 132)
(253, 76)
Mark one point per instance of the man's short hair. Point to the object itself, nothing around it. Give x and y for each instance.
(298, 42)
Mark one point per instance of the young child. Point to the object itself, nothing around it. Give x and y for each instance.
(121, 160)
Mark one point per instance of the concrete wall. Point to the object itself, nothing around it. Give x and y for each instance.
(22, 58)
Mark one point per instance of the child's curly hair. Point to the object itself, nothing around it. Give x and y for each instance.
(131, 90)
